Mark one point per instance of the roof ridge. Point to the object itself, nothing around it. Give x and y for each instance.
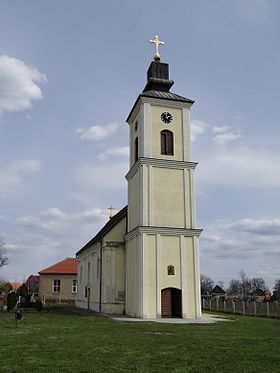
(106, 228)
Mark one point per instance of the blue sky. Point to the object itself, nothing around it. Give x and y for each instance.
(70, 72)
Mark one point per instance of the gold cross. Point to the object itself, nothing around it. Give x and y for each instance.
(157, 42)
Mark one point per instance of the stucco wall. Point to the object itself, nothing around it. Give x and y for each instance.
(148, 258)
(46, 287)
(113, 273)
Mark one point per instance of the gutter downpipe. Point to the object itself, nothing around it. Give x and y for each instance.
(100, 279)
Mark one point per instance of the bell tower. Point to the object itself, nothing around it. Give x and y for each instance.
(162, 259)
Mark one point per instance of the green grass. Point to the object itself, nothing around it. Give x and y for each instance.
(57, 342)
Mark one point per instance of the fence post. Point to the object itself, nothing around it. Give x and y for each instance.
(210, 303)
(217, 304)
(267, 309)
(255, 309)
(243, 308)
(225, 306)
(233, 307)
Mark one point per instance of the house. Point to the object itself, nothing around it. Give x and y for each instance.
(32, 284)
(58, 283)
(144, 262)
(218, 292)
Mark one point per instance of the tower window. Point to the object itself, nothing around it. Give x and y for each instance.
(136, 155)
(167, 143)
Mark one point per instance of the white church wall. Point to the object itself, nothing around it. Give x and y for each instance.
(133, 200)
(170, 255)
(134, 267)
(167, 197)
(175, 126)
(88, 277)
(190, 282)
(150, 275)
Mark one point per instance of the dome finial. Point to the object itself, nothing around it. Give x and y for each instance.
(157, 42)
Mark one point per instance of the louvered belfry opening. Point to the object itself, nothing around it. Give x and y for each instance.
(167, 143)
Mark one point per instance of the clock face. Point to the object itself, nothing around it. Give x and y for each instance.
(166, 117)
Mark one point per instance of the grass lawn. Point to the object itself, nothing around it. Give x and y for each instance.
(62, 342)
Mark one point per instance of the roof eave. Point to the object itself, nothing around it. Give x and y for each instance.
(183, 100)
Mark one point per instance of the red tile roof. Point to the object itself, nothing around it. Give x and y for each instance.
(66, 266)
(16, 285)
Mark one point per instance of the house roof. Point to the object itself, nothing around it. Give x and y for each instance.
(217, 290)
(158, 86)
(16, 285)
(165, 96)
(114, 220)
(33, 278)
(67, 266)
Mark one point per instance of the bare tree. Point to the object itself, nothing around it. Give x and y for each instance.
(235, 288)
(3, 258)
(206, 284)
(277, 285)
(246, 286)
(258, 284)
(221, 284)
(276, 288)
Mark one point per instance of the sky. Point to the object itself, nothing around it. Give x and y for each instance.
(70, 72)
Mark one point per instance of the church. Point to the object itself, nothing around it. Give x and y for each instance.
(144, 262)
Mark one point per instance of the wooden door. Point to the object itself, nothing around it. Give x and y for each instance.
(171, 302)
(166, 305)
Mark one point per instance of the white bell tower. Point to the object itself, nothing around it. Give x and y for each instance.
(162, 258)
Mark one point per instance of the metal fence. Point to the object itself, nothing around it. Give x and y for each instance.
(246, 308)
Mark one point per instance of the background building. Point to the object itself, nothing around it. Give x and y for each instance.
(58, 283)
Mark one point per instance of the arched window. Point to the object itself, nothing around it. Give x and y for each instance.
(167, 143)
(88, 272)
(136, 155)
(171, 270)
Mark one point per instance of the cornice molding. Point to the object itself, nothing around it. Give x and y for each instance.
(164, 231)
(163, 163)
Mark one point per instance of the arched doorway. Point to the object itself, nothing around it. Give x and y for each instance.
(171, 302)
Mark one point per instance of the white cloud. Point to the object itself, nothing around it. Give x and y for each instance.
(225, 134)
(57, 221)
(197, 128)
(97, 133)
(12, 175)
(244, 167)
(251, 244)
(118, 151)
(46, 237)
(18, 84)
(258, 226)
(220, 129)
(102, 177)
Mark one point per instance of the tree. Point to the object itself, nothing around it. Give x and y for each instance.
(277, 285)
(206, 284)
(221, 284)
(276, 292)
(3, 258)
(258, 285)
(235, 288)
(245, 287)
